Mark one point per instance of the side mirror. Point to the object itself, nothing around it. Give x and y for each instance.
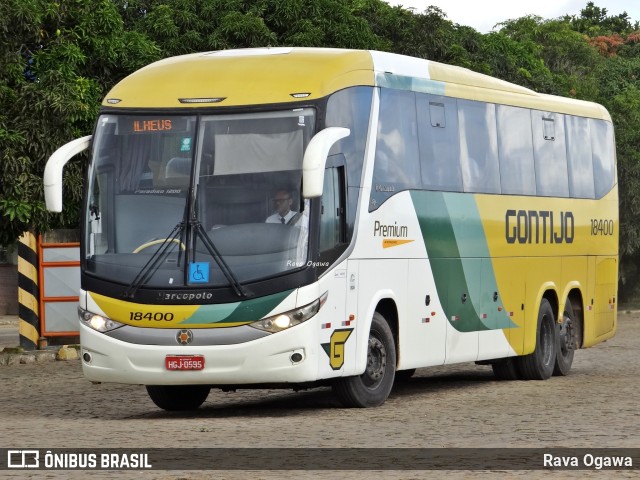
(53, 171)
(315, 159)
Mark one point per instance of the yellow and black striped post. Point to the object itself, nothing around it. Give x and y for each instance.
(28, 294)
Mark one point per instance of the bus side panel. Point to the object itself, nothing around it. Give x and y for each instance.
(541, 277)
(463, 309)
(603, 325)
(422, 334)
(377, 280)
(511, 300)
(575, 275)
(335, 331)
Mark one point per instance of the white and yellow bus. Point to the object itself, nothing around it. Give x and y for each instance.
(430, 215)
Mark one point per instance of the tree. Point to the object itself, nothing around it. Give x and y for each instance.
(565, 52)
(186, 26)
(625, 109)
(56, 62)
(594, 21)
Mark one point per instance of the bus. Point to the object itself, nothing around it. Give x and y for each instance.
(308, 217)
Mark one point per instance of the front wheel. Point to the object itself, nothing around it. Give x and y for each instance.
(372, 387)
(178, 397)
(539, 364)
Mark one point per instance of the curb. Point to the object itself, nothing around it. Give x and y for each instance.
(19, 356)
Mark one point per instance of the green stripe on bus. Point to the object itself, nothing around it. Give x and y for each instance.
(460, 260)
(246, 311)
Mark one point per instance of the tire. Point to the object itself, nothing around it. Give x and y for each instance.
(178, 397)
(566, 341)
(372, 387)
(539, 364)
(506, 369)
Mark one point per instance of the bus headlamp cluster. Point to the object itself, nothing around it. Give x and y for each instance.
(289, 319)
(97, 322)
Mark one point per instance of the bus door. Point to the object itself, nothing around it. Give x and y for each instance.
(341, 279)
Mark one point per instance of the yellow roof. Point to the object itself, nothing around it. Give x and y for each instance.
(244, 77)
(274, 75)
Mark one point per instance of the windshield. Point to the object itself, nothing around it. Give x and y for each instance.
(197, 200)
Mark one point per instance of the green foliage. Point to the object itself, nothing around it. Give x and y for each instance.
(595, 22)
(564, 53)
(186, 26)
(56, 62)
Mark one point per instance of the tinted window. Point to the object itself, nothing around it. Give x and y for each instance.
(439, 142)
(478, 147)
(351, 108)
(396, 164)
(550, 154)
(603, 146)
(515, 145)
(579, 157)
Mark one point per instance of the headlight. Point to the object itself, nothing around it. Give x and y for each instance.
(97, 322)
(289, 319)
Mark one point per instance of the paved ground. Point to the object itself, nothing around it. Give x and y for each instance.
(51, 405)
(9, 331)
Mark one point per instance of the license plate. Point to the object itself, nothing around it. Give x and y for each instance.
(184, 362)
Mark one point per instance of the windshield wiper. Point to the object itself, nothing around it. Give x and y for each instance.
(238, 288)
(154, 262)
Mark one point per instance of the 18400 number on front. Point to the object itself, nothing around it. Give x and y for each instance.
(155, 317)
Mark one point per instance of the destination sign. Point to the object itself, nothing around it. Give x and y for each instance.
(129, 125)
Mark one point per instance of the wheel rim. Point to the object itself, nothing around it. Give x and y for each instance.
(566, 336)
(546, 339)
(376, 363)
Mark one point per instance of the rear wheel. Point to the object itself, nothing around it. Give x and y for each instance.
(566, 341)
(539, 364)
(178, 397)
(372, 387)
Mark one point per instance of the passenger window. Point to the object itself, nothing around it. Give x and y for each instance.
(439, 143)
(515, 145)
(478, 147)
(550, 154)
(603, 146)
(579, 157)
(351, 108)
(396, 163)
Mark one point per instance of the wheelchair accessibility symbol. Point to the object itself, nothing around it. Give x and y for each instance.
(199, 272)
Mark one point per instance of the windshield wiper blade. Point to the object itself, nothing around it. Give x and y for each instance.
(238, 288)
(154, 262)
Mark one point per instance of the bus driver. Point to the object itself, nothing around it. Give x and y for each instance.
(283, 214)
